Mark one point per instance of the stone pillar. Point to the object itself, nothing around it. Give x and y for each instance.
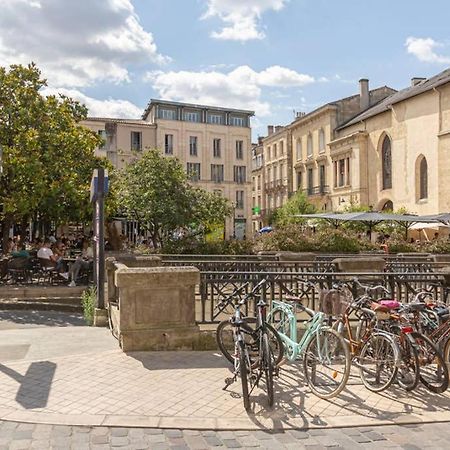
(156, 307)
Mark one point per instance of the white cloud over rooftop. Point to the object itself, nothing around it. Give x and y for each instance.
(424, 49)
(240, 88)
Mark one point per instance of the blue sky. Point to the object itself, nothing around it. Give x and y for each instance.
(271, 56)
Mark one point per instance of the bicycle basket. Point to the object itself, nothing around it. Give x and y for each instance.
(334, 302)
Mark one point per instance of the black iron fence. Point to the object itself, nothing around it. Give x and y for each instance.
(219, 290)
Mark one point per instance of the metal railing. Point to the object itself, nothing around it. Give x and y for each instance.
(218, 290)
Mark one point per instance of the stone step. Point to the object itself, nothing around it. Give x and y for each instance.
(41, 305)
(24, 292)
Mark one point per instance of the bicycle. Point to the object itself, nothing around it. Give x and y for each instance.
(324, 352)
(249, 363)
(374, 351)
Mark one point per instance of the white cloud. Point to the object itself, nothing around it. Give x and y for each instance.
(424, 50)
(241, 17)
(75, 43)
(116, 108)
(240, 88)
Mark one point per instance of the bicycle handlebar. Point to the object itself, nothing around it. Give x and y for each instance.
(368, 288)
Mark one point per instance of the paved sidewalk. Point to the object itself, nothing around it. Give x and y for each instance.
(76, 375)
(410, 437)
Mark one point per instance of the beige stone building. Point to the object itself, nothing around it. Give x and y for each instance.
(297, 156)
(213, 144)
(399, 149)
(258, 180)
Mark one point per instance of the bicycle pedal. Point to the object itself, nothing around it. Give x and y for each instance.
(228, 382)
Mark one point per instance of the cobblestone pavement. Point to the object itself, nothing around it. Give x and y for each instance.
(408, 437)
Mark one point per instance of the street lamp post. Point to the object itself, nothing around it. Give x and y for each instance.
(233, 205)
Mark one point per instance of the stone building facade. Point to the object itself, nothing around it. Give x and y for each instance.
(258, 180)
(400, 149)
(213, 144)
(297, 156)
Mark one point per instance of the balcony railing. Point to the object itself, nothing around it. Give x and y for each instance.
(317, 190)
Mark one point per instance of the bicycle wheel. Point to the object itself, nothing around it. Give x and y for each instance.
(244, 372)
(433, 369)
(225, 342)
(446, 354)
(268, 367)
(326, 363)
(408, 375)
(377, 362)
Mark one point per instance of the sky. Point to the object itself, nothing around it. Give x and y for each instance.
(275, 57)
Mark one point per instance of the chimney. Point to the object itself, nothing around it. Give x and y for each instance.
(416, 80)
(278, 128)
(260, 140)
(269, 130)
(364, 101)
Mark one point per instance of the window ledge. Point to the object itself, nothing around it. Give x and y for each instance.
(422, 201)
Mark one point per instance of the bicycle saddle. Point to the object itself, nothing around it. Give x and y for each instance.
(416, 307)
(377, 307)
(391, 304)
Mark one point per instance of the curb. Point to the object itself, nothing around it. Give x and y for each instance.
(252, 423)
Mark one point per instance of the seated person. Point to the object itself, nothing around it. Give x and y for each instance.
(20, 252)
(45, 252)
(85, 261)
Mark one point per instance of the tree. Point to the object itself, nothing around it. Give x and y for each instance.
(297, 204)
(48, 157)
(156, 192)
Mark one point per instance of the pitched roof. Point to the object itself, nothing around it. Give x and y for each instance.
(384, 105)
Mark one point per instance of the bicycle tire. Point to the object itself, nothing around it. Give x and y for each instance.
(268, 367)
(310, 356)
(446, 354)
(430, 353)
(375, 344)
(244, 374)
(409, 356)
(221, 339)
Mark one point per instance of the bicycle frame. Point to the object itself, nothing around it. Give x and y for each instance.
(313, 326)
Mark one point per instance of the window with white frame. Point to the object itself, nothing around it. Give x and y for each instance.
(237, 121)
(193, 171)
(136, 141)
(239, 149)
(168, 144)
(309, 146)
(217, 173)
(299, 149)
(216, 148)
(239, 199)
(240, 174)
(216, 119)
(193, 145)
(191, 116)
(102, 134)
(168, 114)
(321, 140)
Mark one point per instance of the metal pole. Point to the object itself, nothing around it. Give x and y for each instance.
(100, 210)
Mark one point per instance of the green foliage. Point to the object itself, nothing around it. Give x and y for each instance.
(297, 204)
(293, 238)
(155, 191)
(48, 157)
(88, 300)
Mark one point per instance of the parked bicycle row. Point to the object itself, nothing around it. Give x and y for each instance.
(384, 340)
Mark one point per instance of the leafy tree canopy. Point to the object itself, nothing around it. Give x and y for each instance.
(297, 204)
(48, 157)
(155, 191)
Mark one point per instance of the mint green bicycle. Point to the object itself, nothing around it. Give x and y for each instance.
(326, 356)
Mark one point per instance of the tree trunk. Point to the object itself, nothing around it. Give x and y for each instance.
(7, 224)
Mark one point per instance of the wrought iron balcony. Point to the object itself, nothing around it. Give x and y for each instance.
(317, 190)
